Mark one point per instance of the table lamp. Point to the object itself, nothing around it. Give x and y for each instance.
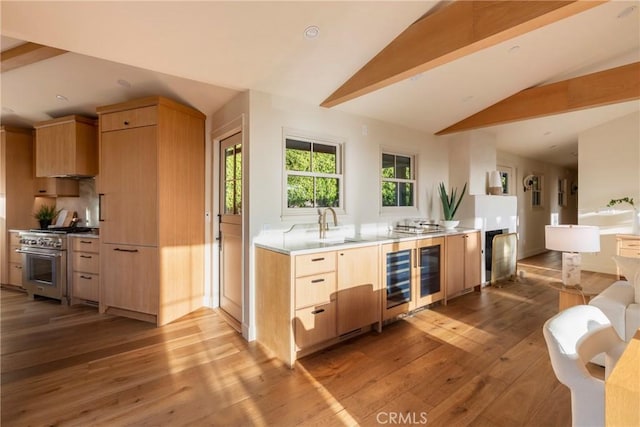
(571, 240)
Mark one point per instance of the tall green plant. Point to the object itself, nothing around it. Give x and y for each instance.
(451, 203)
(46, 212)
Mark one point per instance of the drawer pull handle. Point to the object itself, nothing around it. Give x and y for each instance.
(317, 281)
(82, 276)
(317, 259)
(125, 250)
(42, 191)
(87, 242)
(126, 122)
(19, 267)
(318, 311)
(86, 256)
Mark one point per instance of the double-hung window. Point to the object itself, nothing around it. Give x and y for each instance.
(398, 180)
(313, 175)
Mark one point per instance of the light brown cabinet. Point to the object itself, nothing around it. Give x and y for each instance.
(359, 294)
(151, 192)
(16, 180)
(15, 260)
(627, 245)
(85, 269)
(56, 187)
(307, 302)
(463, 262)
(414, 275)
(315, 295)
(66, 146)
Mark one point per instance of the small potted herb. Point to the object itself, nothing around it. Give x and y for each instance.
(45, 215)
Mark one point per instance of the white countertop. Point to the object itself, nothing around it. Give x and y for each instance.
(85, 235)
(299, 247)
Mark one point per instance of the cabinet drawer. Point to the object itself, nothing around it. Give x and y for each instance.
(315, 324)
(316, 289)
(13, 255)
(315, 263)
(15, 274)
(630, 252)
(146, 116)
(89, 244)
(14, 239)
(86, 286)
(86, 262)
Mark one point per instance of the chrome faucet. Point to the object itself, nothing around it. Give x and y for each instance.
(322, 221)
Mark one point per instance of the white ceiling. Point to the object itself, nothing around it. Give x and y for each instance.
(203, 53)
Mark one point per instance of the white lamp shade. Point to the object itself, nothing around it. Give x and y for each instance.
(572, 238)
(494, 179)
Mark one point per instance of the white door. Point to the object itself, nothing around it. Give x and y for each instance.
(231, 226)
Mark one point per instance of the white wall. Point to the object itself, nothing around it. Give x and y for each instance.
(609, 168)
(531, 221)
(472, 157)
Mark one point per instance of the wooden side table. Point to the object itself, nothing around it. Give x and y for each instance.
(622, 388)
(570, 296)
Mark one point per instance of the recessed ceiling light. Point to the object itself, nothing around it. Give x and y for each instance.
(311, 32)
(627, 11)
(62, 98)
(123, 83)
(514, 49)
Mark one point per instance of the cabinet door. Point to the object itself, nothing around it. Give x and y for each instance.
(54, 145)
(397, 273)
(472, 260)
(455, 264)
(128, 180)
(429, 281)
(358, 299)
(129, 277)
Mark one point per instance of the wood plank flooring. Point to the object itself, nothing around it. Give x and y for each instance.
(480, 361)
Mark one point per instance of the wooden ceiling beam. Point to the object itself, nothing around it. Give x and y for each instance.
(25, 54)
(620, 84)
(457, 30)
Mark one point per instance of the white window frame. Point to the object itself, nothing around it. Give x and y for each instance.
(562, 192)
(508, 170)
(413, 210)
(300, 135)
(539, 191)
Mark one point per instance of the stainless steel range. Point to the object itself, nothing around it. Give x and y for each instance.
(44, 262)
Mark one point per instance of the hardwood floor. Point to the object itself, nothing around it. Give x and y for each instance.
(481, 361)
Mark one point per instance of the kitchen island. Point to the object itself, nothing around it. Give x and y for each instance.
(313, 293)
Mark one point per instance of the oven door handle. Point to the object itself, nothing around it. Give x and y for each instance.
(21, 251)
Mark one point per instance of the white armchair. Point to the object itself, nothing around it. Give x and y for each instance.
(618, 303)
(574, 336)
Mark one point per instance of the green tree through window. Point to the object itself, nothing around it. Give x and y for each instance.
(312, 171)
(398, 183)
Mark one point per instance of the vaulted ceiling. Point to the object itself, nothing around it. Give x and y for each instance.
(203, 53)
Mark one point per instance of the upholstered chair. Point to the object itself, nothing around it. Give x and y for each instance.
(574, 336)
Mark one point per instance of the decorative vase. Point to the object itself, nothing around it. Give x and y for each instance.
(44, 223)
(450, 224)
(635, 222)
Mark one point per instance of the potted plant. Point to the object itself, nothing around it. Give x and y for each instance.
(635, 224)
(45, 215)
(450, 204)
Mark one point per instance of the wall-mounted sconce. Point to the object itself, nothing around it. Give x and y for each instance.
(527, 182)
(574, 188)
